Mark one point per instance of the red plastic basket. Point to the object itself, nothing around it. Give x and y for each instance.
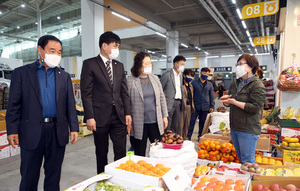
(172, 146)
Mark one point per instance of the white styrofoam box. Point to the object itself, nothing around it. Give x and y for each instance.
(4, 152)
(91, 181)
(3, 138)
(205, 162)
(141, 178)
(16, 151)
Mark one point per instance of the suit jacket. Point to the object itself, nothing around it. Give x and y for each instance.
(98, 95)
(137, 104)
(168, 84)
(25, 107)
(185, 97)
(203, 96)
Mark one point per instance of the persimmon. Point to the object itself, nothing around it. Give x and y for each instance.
(130, 162)
(141, 162)
(204, 179)
(227, 186)
(217, 188)
(148, 165)
(207, 189)
(238, 188)
(213, 180)
(240, 182)
(229, 181)
(160, 166)
(211, 184)
(219, 182)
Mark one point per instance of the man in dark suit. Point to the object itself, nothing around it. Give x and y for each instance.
(41, 106)
(105, 99)
(171, 82)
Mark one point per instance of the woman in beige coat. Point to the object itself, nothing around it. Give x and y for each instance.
(148, 104)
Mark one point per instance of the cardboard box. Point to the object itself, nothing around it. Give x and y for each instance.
(263, 143)
(291, 156)
(268, 183)
(206, 124)
(142, 179)
(83, 131)
(4, 152)
(220, 138)
(2, 120)
(3, 138)
(16, 151)
(262, 177)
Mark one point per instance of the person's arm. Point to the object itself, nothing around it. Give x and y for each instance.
(164, 108)
(164, 80)
(72, 115)
(13, 113)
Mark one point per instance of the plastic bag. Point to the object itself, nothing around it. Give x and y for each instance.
(186, 156)
(220, 122)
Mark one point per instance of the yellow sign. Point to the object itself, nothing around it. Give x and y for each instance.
(260, 9)
(263, 40)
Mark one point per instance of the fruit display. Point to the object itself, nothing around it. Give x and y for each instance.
(268, 160)
(275, 187)
(171, 138)
(271, 117)
(273, 129)
(104, 185)
(280, 172)
(201, 170)
(289, 113)
(289, 79)
(215, 151)
(142, 167)
(249, 167)
(219, 183)
(291, 142)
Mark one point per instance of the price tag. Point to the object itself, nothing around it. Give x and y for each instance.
(263, 40)
(260, 9)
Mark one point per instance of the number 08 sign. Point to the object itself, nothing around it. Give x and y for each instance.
(260, 9)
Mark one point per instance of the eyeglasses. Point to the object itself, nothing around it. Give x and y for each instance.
(240, 63)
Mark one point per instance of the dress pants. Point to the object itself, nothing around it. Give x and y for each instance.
(202, 118)
(174, 116)
(31, 161)
(150, 131)
(184, 121)
(117, 131)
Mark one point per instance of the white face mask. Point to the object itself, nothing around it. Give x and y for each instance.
(114, 53)
(148, 70)
(240, 71)
(209, 77)
(52, 60)
(180, 69)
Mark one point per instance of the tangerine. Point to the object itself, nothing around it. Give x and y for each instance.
(166, 169)
(154, 169)
(229, 181)
(214, 180)
(160, 166)
(161, 173)
(141, 162)
(148, 165)
(227, 186)
(220, 183)
(217, 188)
(149, 173)
(204, 179)
(211, 184)
(130, 162)
(201, 184)
(136, 166)
(238, 188)
(240, 182)
(123, 166)
(207, 189)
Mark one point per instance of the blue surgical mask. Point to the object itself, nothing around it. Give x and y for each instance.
(188, 80)
(204, 77)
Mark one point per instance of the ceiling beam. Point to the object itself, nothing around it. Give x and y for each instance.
(191, 23)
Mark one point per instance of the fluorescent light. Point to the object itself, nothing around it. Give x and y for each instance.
(212, 57)
(149, 51)
(184, 45)
(244, 24)
(224, 56)
(255, 50)
(262, 54)
(252, 44)
(206, 53)
(250, 39)
(247, 32)
(197, 48)
(36, 23)
(154, 60)
(239, 13)
(162, 60)
(164, 55)
(121, 16)
(18, 27)
(1, 31)
(190, 58)
(160, 34)
(23, 5)
(0, 12)
(58, 17)
(233, 1)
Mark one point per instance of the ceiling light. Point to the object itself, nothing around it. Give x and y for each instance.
(18, 27)
(206, 53)
(250, 39)
(224, 56)
(23, 5)
(244, 24)
(190, 58)
(184, 45)
(160, 34)
(212, 57)
(249, 49)
(248, 34)
(36, 23)
(154, 60)
(1, 31)
(239, 13)
(45, 32)
(58, 17)
(0, 12)
(233, 1)
(197, 48)
(262, 54)
(164, 55)
(162, 60)
(121, 16)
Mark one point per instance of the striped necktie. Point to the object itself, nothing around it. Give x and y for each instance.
(108, 68)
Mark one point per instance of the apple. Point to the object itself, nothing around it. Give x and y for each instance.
(275, 187)
(258, 187)
(290, 187)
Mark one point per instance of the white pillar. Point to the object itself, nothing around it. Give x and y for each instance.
(202, 62)
(126, 57)
(172, 46)
(92, 24)
(39, 20)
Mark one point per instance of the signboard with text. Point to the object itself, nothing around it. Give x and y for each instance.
(263, 40)
(260, 9)
(222, 69)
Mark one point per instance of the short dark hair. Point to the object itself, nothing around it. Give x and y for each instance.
(189, 72)
(43, 40)
(251, 61)
(138, 63)
(205, 69)
(109, 37)
(178, 58)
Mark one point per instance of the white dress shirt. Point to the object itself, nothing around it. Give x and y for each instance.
(177, 85)
(111, 68)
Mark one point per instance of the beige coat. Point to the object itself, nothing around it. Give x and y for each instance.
(137, 104)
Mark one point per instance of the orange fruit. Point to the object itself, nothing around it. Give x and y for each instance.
(129, 168)
(141, 162)
(240, 182)
(123, 166)
(194, 180)
(130, 162)
(136, 166)
(201, 184)
(207, 189)
(166, 169)
(161, 173)
(211, 184)
(197, 188)
(221, 183)
(154, 169)
(119, 168)
(148, 165)
(149, 173)
(160, 166)
(227, 186)
(229, 181)
(238, 188)
(143, 169)
(217, 187)
(213, 180)
(204, 179)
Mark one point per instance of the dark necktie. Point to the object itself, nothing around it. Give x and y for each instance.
(108, 68)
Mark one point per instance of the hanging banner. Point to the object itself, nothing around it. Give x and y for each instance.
(260, 9)
(263, 40)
